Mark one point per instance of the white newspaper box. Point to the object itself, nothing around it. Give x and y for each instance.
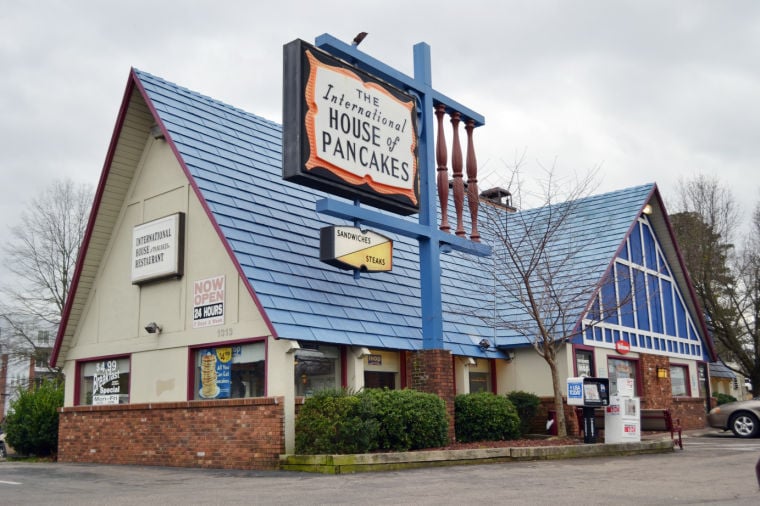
(622, 418)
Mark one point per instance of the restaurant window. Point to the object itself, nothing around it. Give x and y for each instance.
(104, 382)
(679, 376)
(480, 376)
(584, 363)
(317, 369)
(229, 372)
(380, 379)
(381, 369)
(619, 369)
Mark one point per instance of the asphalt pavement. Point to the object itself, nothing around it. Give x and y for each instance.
(713, 468)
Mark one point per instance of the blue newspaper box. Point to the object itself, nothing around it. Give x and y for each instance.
(589, 393)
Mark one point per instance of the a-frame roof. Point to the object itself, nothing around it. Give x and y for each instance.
(590, 234)
(270, 229)
(584, 237)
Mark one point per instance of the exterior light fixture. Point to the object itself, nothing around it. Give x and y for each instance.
(156, 133)
(662, 373)
(153, 328)
(647, 209)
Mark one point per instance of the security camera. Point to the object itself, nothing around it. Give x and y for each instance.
(152, 328)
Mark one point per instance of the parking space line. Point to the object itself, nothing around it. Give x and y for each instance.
(2, 482)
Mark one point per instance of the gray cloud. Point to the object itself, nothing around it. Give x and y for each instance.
(649, 91)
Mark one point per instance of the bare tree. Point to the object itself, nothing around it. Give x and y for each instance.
(725, 277)
(744, 296)
(41, 255)
(539, 292)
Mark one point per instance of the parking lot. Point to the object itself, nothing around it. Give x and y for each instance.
(714, 467)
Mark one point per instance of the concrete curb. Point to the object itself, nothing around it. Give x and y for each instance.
(341, 464)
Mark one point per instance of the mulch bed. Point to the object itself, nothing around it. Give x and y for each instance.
(514, 443)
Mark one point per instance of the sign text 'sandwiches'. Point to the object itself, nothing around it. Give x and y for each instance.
(348, 133)
(353, 248)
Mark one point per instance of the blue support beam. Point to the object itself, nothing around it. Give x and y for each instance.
(426, 231)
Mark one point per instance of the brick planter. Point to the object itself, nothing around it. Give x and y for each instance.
(229, 434)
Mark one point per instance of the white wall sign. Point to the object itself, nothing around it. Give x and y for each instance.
(157, 249)
(208, 302)
(105, 383)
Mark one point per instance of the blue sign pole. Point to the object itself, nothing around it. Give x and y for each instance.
(426, 231)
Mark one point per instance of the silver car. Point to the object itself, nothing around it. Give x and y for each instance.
(742, 417)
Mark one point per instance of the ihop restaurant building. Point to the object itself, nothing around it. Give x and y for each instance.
(200, 314)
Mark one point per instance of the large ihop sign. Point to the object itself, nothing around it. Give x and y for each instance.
(348, 133)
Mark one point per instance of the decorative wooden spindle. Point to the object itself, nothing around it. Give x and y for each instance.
(472, 182)
(441, 158)
(456, 165)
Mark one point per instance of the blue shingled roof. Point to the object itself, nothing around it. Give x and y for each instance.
(272, 228)
(590, 232)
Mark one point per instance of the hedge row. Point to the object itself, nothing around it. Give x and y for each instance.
(336, 421)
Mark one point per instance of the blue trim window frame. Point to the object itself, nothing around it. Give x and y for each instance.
(642, 305)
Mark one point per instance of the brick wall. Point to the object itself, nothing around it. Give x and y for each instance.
(229, 434)
(431, 371)
(542, 416)
(655, 392)
(691, 411)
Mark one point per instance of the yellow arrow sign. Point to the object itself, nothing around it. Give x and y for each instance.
(353, 248)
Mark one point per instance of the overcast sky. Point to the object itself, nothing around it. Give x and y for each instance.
(647, 91)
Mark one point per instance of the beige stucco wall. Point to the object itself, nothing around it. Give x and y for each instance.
(462, 374)
(117, 311)
(529, 372)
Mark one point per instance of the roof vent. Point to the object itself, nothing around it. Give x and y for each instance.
(500, 197)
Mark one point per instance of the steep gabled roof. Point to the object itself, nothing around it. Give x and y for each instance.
(271, 231)
(585, 236)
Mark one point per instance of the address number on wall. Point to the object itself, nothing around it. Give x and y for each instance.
(227, 332)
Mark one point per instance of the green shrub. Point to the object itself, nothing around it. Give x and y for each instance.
(32, 423)
(526, 405)
(724, 398)
(485, 417)
(334, 421)
(408, 419)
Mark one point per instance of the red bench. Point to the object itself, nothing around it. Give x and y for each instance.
(652, 420)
